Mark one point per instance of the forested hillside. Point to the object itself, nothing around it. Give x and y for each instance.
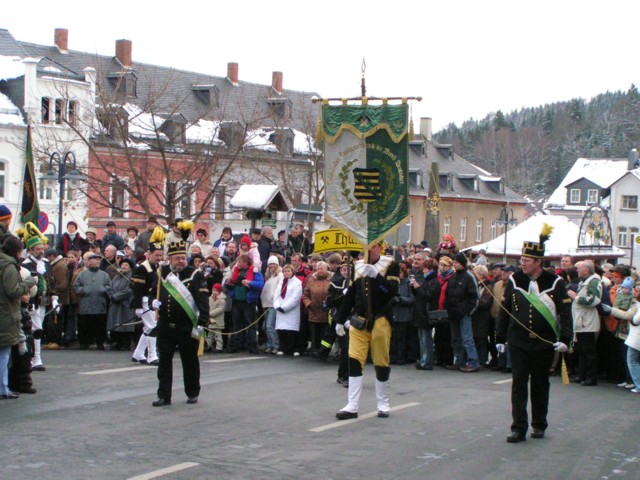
(533, 148)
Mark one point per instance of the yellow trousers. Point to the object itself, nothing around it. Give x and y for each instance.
(378, 339)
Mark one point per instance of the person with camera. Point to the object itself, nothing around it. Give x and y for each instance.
(366, 312)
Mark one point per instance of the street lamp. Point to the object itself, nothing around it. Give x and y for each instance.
(61, 177)
(506, 218)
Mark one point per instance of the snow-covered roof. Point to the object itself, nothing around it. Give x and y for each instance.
(258, 197)
(601, 171)
(10, 67)
(563, 239)
(9, 113)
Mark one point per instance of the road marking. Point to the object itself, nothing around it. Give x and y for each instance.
(341, 423)
(164, 471)
(117, 370)
(148, 367)
(229, 360)
(500, 382)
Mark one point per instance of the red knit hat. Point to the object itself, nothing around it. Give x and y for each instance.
(246, 240)
(217, 287)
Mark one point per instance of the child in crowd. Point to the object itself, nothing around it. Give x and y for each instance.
(217, 303)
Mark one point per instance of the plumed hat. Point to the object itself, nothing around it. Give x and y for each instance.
(156, 242)
(32, 236)
(176, 248)
(185, 227)
(536, 249)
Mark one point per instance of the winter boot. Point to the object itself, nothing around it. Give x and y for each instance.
(382, 395)
(353, 396)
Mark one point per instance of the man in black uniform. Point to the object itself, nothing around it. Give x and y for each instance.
(144, 281)
(535, 320)
(367, 311)
(182, 307)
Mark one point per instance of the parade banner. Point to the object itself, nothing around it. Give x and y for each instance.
(30, 209)
(366, 169)
(334, 240)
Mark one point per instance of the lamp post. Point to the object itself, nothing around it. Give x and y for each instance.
(62, 176)
(506, 218)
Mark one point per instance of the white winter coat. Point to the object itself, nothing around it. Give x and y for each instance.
(290, 319)
(269, 289)
(633, 339)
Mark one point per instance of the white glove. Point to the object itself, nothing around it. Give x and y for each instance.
(40, 268)
(54, 304)
(139, 312)
(156, 304)
(369, 271)
(145, 302)
(605, 308)
(344, 292)
(500, 347)
(347, 324)
(340, 330)
(560, 347)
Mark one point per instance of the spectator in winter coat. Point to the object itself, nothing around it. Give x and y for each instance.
(481, 317)
(402, 317)
(217, 304)
(286, 302)
(461, 301)
(112, 237)
(426, 294)
(272, 278)
(72, 240)
(313, 297)
(442, 336)
(92, 286)
(121, 307)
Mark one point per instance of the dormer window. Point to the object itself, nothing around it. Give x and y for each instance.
(415, 179)
(207, 94)
(470, 181)
(175, 128)
(280, 108)
(115, 122)
(124, 83)
(283, 139)
(445, 181)
(232, 134)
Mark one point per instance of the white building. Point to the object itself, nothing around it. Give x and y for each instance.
(53, 101)
(625, 216)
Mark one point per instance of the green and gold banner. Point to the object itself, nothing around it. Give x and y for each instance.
(366, 168)
(30, 208)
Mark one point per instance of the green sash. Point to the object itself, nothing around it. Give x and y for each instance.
(543, 310)
(180, 294)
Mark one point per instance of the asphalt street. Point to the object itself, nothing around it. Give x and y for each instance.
(273, 418)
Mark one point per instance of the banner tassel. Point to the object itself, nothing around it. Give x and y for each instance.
(565, 373)
(201, 346)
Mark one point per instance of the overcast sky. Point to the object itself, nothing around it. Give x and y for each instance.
(465, 58)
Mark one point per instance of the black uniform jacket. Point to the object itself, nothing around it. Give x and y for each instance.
(516, 304)
(171, 315)
(144, 279)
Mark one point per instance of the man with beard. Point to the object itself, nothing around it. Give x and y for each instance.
(38, 304)
(183, 306)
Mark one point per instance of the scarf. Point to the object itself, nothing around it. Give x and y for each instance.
(283, 290)
(443, 279)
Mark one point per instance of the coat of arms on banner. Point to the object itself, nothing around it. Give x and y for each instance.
(366, 172)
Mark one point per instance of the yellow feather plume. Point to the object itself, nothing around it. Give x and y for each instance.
(545, 233)
(20, 232)
(185, 225)
(158, 235)
(31, 231)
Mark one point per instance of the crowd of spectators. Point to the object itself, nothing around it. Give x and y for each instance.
(270, 294)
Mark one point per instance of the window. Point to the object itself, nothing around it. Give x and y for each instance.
(45, 110)
(45, 190)
(574, 195)
(280, 108)
(219, 202)
(463, 229)
(479, 230)
(623, 238)
(629, 202)
(73, 112)
(415, 179)
(447, 224)
(118, 198)
(207, 94)
(183, 198)
(2, 178)
(592, 196)
(59, 111)
(494, 229)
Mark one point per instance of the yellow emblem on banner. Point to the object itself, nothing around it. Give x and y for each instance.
(333, 240)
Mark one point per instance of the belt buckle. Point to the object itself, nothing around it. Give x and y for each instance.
(532, 335)
(172, 325)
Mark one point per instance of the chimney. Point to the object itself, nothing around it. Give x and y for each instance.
(123, 52)
(276, 81)
(31, 95)
(61, 39)
(232, 73)
(425, 128)
(633, 159)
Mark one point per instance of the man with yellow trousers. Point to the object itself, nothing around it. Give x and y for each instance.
(366, 312)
